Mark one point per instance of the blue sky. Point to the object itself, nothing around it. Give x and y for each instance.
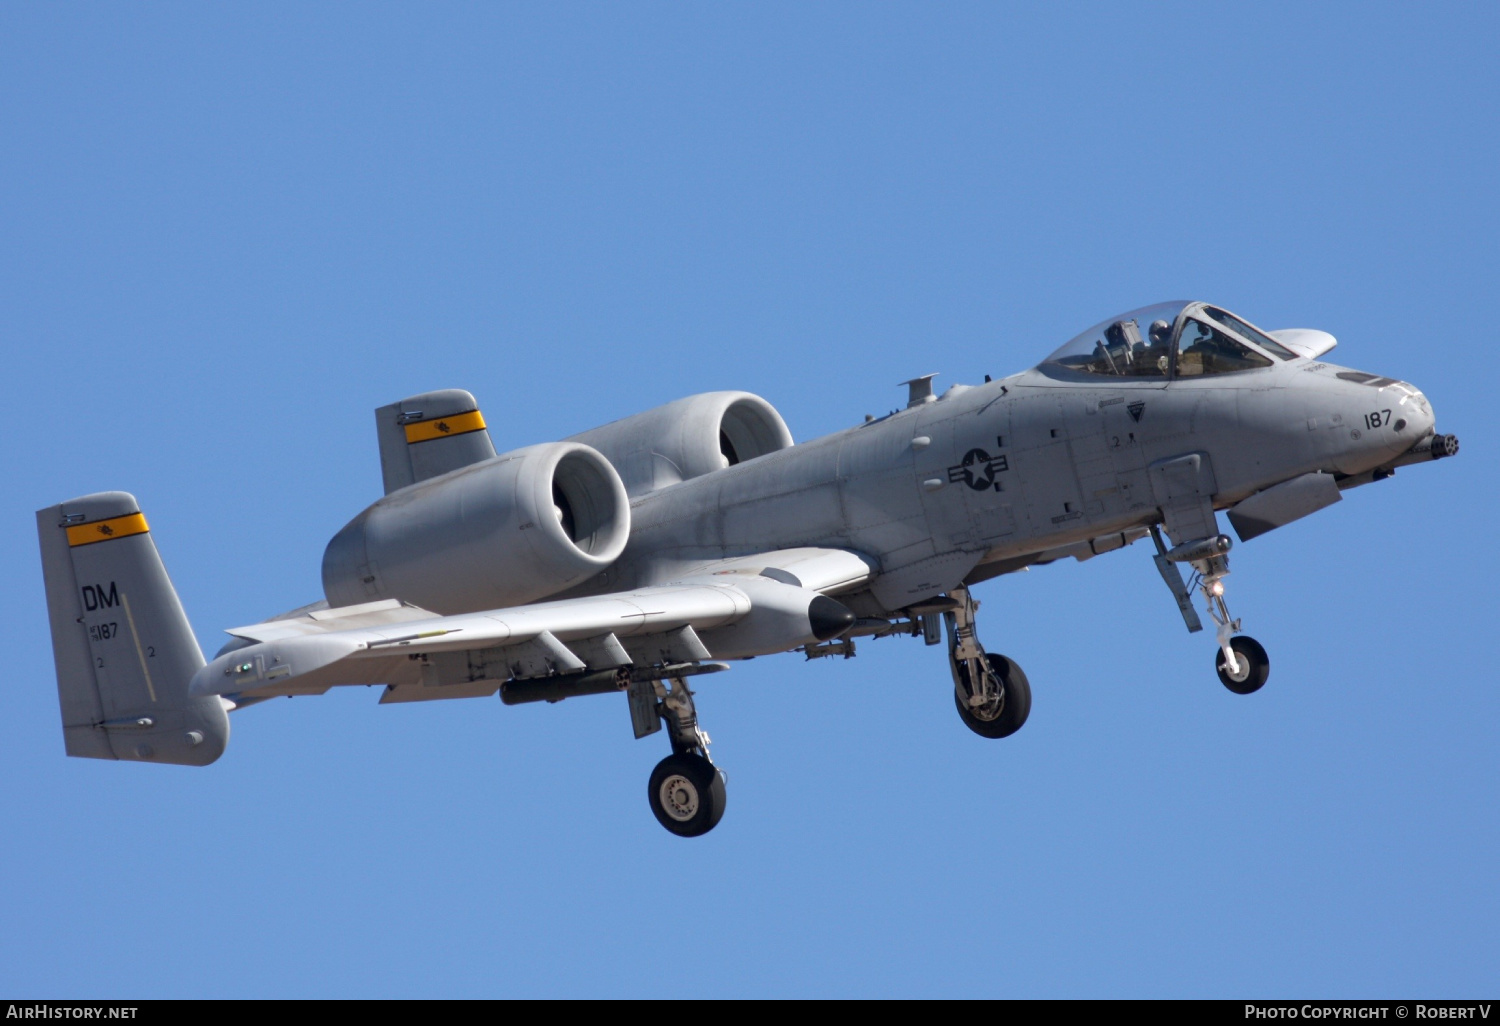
(228, 232)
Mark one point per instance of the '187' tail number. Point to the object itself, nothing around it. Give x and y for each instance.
(1379, 418)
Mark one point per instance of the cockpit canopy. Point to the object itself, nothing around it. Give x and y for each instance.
(1169, 340)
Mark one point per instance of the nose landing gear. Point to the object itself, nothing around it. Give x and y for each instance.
(1242, 663)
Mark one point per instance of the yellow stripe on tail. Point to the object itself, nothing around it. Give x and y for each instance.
(444, 427)
(107, 530)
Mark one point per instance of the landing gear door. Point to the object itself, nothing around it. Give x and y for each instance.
(1183, 487)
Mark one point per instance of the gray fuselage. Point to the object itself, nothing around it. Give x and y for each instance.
(989, 478)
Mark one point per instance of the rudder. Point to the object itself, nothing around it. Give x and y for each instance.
(123, 646)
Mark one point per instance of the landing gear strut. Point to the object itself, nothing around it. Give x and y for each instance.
(992, 693)
(1242, 663)
(686, 790)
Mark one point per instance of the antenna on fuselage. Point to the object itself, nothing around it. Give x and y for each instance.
(919, 390)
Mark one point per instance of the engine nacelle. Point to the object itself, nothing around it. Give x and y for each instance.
(688, 438)
(509, 530)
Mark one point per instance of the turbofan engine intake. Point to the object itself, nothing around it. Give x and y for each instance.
(514, 529)
(689, 438)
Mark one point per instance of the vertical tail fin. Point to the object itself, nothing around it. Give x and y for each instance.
(430, 434)
(124, 650)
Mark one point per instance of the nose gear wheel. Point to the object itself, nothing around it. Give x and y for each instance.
(1252, 666)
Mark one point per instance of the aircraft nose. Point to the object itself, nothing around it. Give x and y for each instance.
(1413, 419)
(1377, 419)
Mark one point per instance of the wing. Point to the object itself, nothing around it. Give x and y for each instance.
(827, 571)
(745, 605)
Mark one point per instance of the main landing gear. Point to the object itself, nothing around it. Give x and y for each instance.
(686, 790)
(1241, 662)
(992, 693)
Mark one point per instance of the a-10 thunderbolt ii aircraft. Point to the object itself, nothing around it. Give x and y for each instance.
(637, 555)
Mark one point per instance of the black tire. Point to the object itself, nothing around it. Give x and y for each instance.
(1256, 666)
(720, 797)
(687, 794)
(1012, 714)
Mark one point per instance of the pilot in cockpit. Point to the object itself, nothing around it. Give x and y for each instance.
(1205, 349)
(1160, 334)
(1179, 340)
(1124, 353)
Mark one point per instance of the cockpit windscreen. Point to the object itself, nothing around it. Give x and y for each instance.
(1250, 332)
(1137, 344)
(1180, 339)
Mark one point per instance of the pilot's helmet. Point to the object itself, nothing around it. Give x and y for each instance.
(1161, 332)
